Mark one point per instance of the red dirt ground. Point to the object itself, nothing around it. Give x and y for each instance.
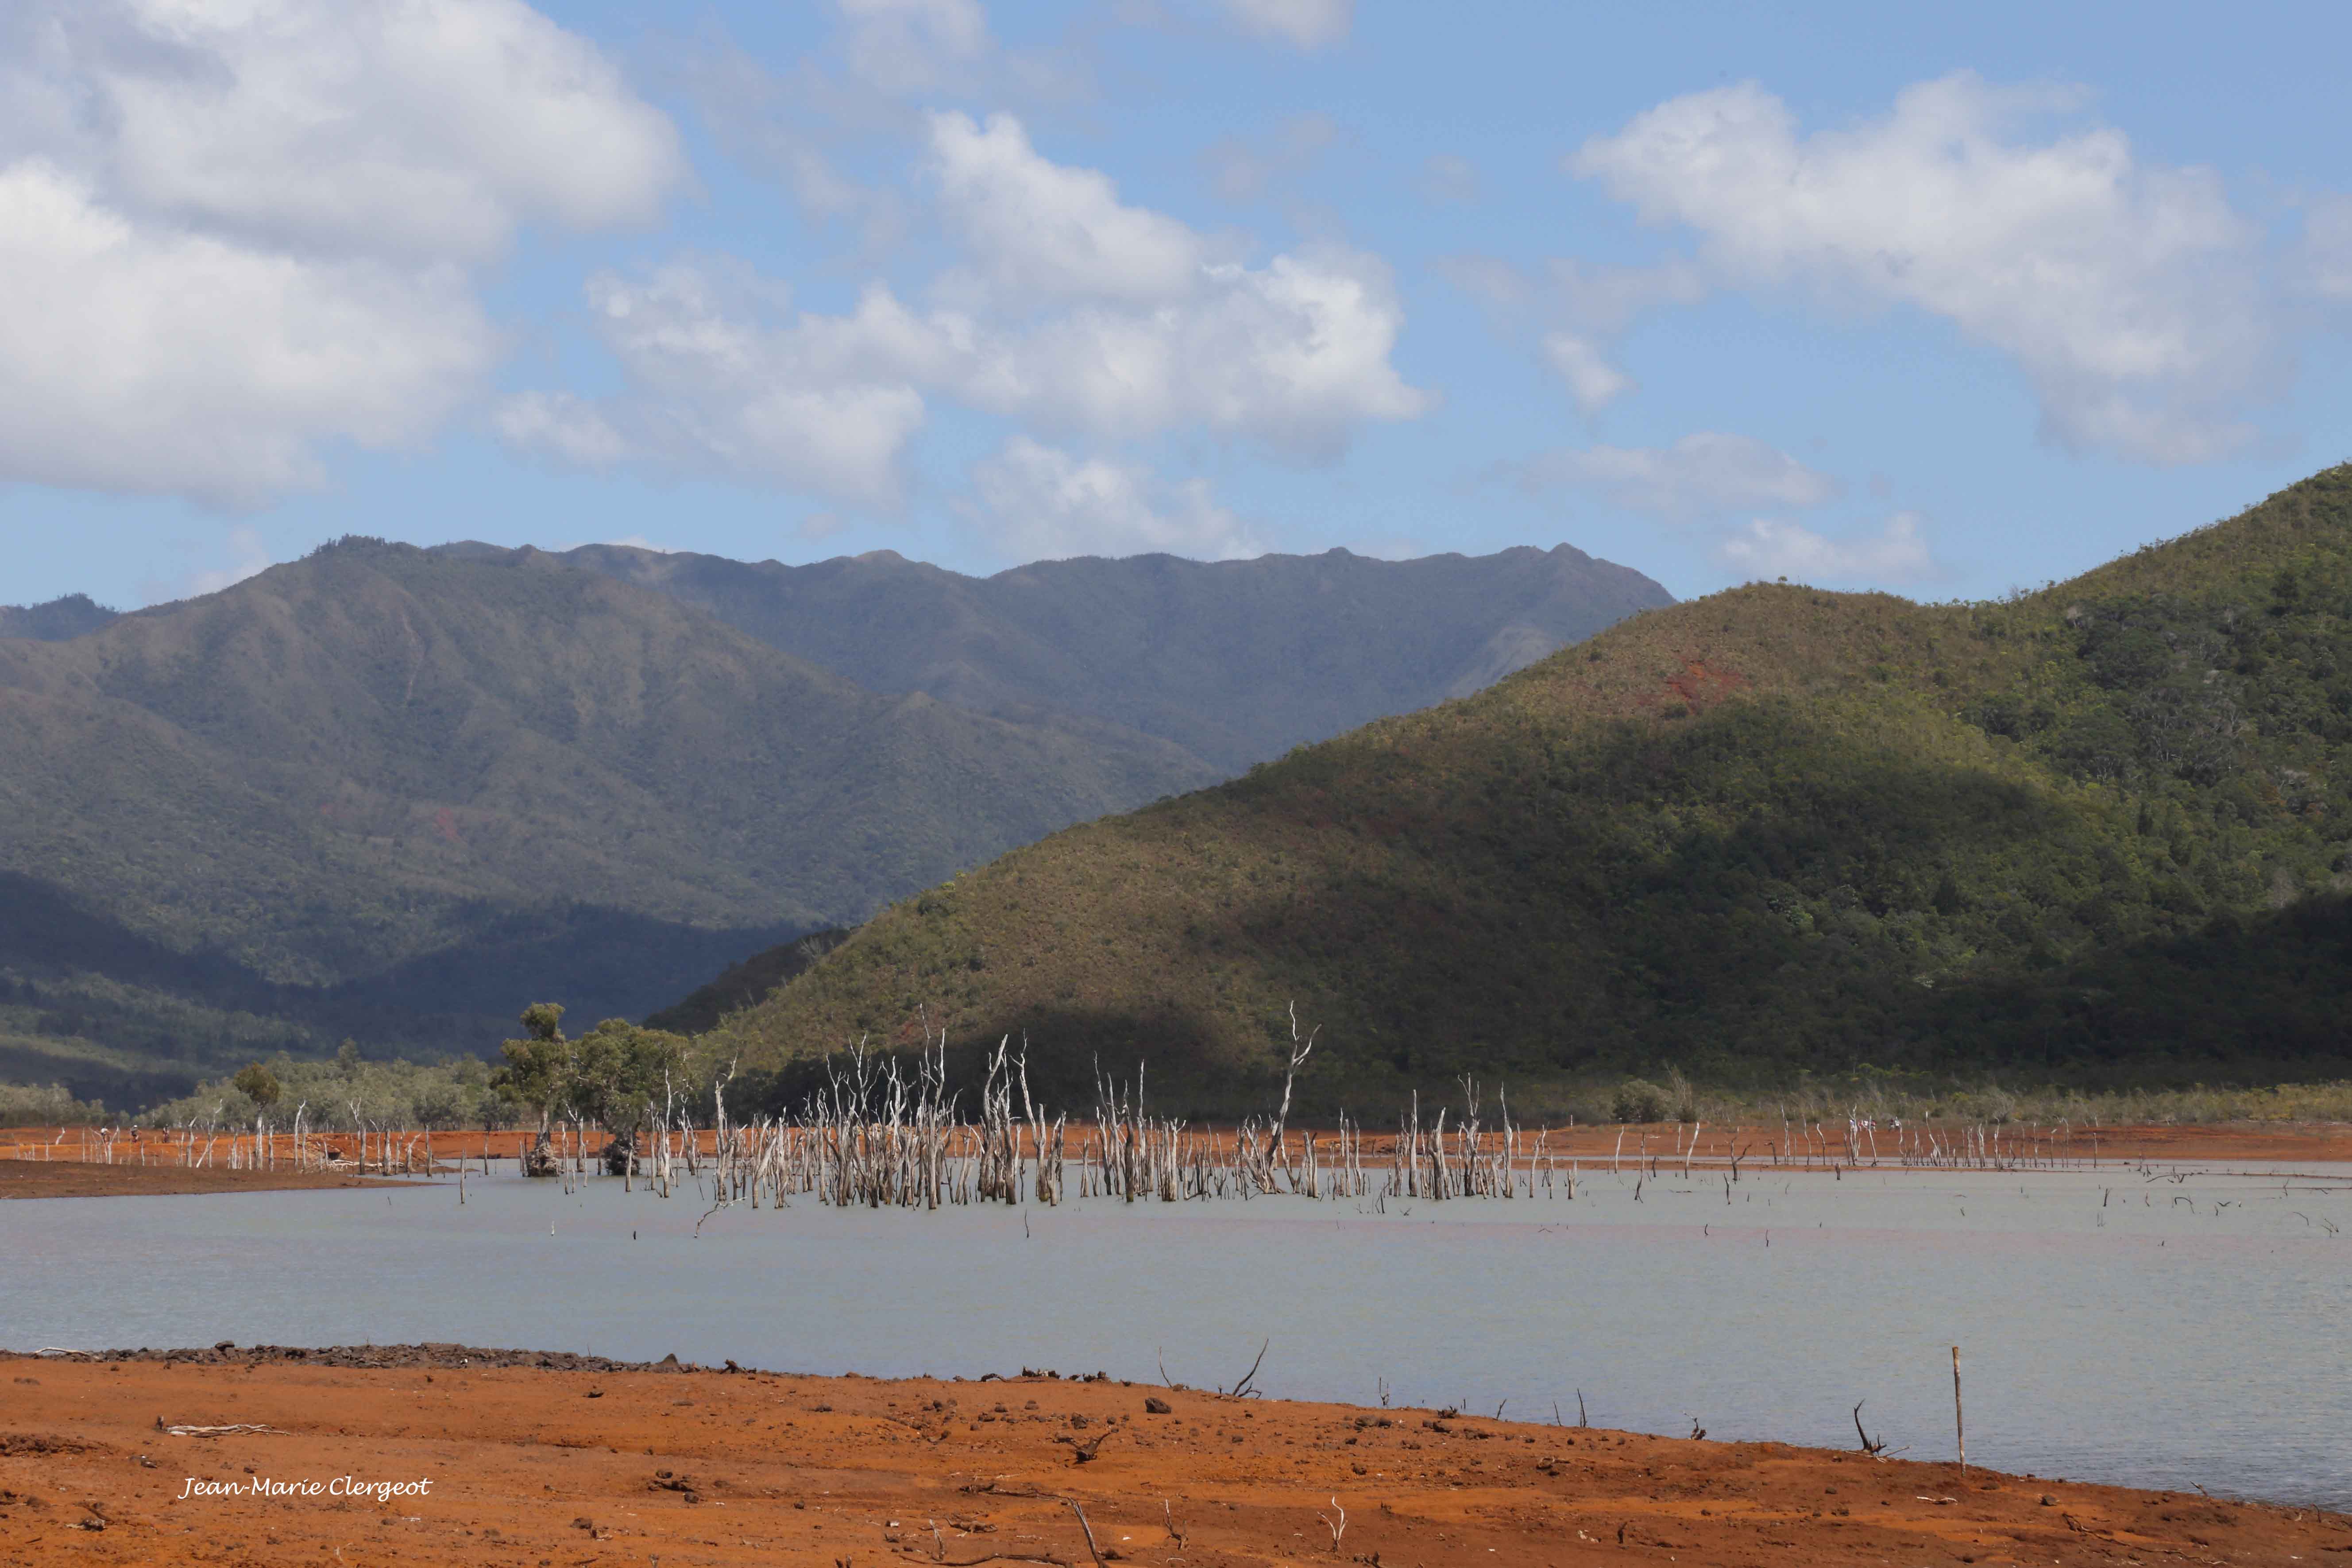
(642, 1465)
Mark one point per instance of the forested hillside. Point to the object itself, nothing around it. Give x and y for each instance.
(393, 795)
(1236, 661)
(2099, 832)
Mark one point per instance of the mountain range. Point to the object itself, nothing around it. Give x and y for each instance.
(394, 793)
(1234, 661)
(2101, 833)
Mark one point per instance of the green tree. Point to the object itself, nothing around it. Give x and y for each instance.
(257, 1084)
(538, 1073)
(622, 1070)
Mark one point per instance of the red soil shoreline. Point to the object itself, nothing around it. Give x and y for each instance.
(588, 1464)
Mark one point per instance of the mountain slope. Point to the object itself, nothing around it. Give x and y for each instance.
(1771, 831)
(404, 793)
(1236, 661)
(59, 620)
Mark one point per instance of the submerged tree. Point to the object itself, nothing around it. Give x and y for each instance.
(620, 1072)
(538, 1074)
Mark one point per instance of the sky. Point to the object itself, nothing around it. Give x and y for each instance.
(1944, 301)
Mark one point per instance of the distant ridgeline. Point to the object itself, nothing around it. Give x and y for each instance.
(2099, 834)
(395, 793)
(59, 620)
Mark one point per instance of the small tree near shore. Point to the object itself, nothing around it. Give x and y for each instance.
(257, 1084)
(538, 1067)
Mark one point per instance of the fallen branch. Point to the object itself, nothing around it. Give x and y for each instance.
(1242, 1389)
(1086, 1450)
(239, 1429)
(1089, 1529)
(1873, 1447)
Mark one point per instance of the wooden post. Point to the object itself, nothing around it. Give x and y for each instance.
(1959, 1428)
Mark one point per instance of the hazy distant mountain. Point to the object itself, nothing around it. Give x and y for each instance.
(395, 793)
(1236, 661)
(59, 620)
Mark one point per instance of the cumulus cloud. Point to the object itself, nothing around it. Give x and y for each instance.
(1303, 24)
(423, 131)
(2131, 294)
(558, 426)
(1700, 476)
(1043, 503)
(726, 380)
(1073, 312)
(234, 234)
(1040, 229)
(143, 357)
(1772, 548)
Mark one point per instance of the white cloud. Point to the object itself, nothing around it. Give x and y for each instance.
(1077, 313)
(1042, 503)
(236, 232)
(558, 426)
(427, 131)
(1699, 476)
(147, 357)
(1770, 548)
(2131, 294)
(1304, 24)
(726, 380)
(1041, 228)
(1592, 380)
(1293, 356)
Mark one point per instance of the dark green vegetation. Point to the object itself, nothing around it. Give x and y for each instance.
(1236, 661)
(741, 985)
(2098, 833)
(340, 1092)
(59, 620)
(395, 795)
(388, 793)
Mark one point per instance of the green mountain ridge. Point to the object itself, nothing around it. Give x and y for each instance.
(2102, 832)
(58, 620)
(386, 791)
(395, 793)
(1234, 661)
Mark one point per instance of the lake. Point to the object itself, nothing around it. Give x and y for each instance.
(2159, 1329)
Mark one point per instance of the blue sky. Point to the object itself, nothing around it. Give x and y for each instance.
(1941, 300)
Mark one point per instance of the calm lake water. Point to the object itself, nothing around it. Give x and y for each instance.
(2114, 1325)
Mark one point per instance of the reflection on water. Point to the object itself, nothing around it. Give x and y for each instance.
(2156, 1329)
